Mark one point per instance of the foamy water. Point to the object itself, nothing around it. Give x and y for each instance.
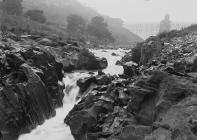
(112, 68)
(54, 128)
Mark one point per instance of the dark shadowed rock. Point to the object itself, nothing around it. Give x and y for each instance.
(119, 63)
(24, 101)
(130, 69)
(79, 58)
(194, 66)
(114, 54)
(30, 87)
(85, 83)
(179, 67)
(137, 111)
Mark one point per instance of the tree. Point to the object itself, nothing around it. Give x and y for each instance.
(36, 15)
(12, 7)
(76, 25)
(98, 28)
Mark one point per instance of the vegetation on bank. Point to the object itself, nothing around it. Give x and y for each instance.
(95, 31)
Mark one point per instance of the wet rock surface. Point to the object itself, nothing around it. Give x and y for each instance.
(154, 100)
(74, 57)
(31, 74)
(30, 87)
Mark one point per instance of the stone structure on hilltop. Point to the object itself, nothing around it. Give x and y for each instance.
(165, 24)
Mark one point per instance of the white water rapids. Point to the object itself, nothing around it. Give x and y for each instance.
(54, 128)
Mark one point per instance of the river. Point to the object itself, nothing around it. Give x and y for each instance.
(54, 128)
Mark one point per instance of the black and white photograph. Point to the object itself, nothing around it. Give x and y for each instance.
(98, 69)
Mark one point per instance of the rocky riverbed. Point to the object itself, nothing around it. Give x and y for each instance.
(155, 98)
(31, 71)
(150, 94)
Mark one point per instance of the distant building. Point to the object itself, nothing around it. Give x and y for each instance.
(146, 30)
(165, 24)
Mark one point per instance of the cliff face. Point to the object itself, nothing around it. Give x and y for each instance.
(155, 100)
(29, 87)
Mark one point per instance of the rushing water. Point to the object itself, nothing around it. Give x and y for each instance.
(54, 128)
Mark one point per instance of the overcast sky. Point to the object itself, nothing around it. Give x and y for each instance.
(134, 11)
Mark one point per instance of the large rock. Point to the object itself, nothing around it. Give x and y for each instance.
(150, 49)
(49, 71)
(85, 83)
(136, 111)
(83, 59)
(24, 102)
(30, 87)
(78, 58)
(89, 82)
(88, 117)
(130, 69)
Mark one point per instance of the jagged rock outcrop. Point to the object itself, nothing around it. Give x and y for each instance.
(139, 110)
(130, 69)
(75, 57)
(71, 54)
(30, 88)
(155, 101)
(81, 59)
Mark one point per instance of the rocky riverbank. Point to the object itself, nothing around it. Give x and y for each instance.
(31, 72)
(155, 98)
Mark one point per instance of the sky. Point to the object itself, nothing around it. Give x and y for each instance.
(138, 11)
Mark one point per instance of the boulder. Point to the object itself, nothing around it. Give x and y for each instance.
(151, 48)
(24, 101)
(114, 54)
(130, 69)
(30, 87)
(85, 83)
(81, 59)
(119, 63)
(84, 122)
(49, 71)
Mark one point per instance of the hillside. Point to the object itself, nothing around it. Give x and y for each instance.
(22, 23)
(57, 12)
